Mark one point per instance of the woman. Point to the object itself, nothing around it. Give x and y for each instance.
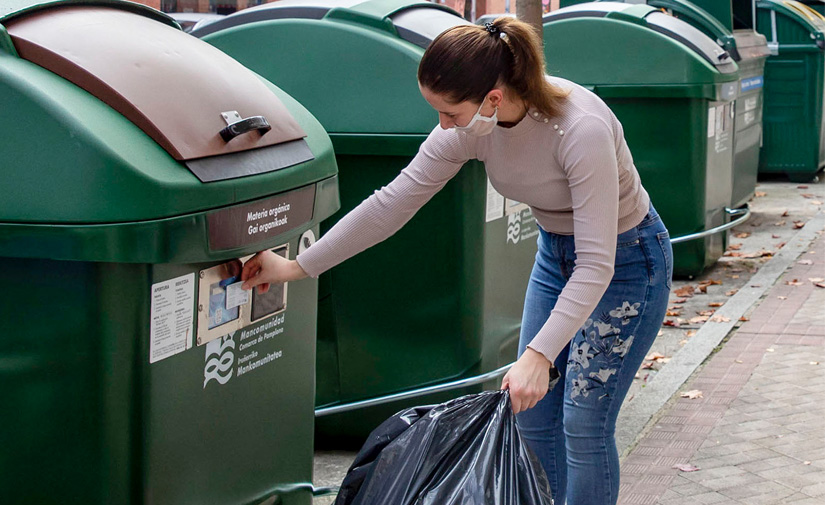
(599, 287)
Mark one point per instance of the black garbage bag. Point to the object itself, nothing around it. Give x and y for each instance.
(467, 451)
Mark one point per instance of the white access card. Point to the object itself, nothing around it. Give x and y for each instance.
(235, 296)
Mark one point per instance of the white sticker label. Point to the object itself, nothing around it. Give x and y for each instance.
(495, 203)
(236, 296)
(711, 122)
(172, 317)
(750, 103)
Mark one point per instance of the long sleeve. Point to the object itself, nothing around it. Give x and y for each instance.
(588, 157)
(382, 214)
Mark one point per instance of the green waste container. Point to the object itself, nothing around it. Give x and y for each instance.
(140, 164)
(794, 138)
(731, 25)
(439, 302)
(673, 89)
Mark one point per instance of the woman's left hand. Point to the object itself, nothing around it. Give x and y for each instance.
(528, 380)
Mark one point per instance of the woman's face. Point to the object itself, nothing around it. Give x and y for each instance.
(450, 114)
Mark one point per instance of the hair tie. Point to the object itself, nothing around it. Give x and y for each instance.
(492, 30)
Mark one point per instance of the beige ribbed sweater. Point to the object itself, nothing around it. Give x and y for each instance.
(575, 171)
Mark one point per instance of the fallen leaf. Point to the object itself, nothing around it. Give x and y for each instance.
(806, 462)
(683, 342)
(794, 282)
(734, 247)
(731, 292)
(780, 245)
(680, 300)
(805, 262)
(637, 375)
(806, 195)
(720, 319)
(770, 349)
(802, 187)
(670, 322)
(715, 304)
(814, 362)
(648, 365)
(661, 332)
(654, 356)
(780, 223)
(705, 312)
(756, 285)
(684, 291)
(820, 284)
(708, 282)
(665, 360)
(692, 394)
(739, 361)
(816, 202)
(744, 319)
(685, 467)
(744, 234)
(759, 194)
(782, 297)
(734, 276)
(737, 270)
(785, 214)
(690, 333)
(811, 252)
(673, 313)
(798, 224)
(698, 319)
(816, 279)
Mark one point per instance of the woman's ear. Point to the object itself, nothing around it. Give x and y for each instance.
(495, 97)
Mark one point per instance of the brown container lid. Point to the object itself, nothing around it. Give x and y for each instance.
(173, 86)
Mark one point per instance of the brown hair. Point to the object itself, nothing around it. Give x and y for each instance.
(467, 61)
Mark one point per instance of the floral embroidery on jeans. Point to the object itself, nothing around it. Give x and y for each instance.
(581, 355)
(602, 347)
(626, 311)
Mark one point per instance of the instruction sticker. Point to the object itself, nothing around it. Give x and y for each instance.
(495, 203)
(172, 317)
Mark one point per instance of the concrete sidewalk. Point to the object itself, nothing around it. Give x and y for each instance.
(757, 432)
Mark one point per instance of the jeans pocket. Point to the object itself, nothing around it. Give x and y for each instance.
(663, 238)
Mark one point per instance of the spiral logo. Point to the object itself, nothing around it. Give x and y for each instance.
(220, 357)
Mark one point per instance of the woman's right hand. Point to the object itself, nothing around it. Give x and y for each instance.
(267, 268)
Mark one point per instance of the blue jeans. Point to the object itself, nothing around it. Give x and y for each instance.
(572, 428)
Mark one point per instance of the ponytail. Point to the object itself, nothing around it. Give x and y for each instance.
(467, 61)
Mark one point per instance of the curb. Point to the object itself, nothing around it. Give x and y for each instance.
(635, 417)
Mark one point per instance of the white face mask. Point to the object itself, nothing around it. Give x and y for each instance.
(480, 125)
